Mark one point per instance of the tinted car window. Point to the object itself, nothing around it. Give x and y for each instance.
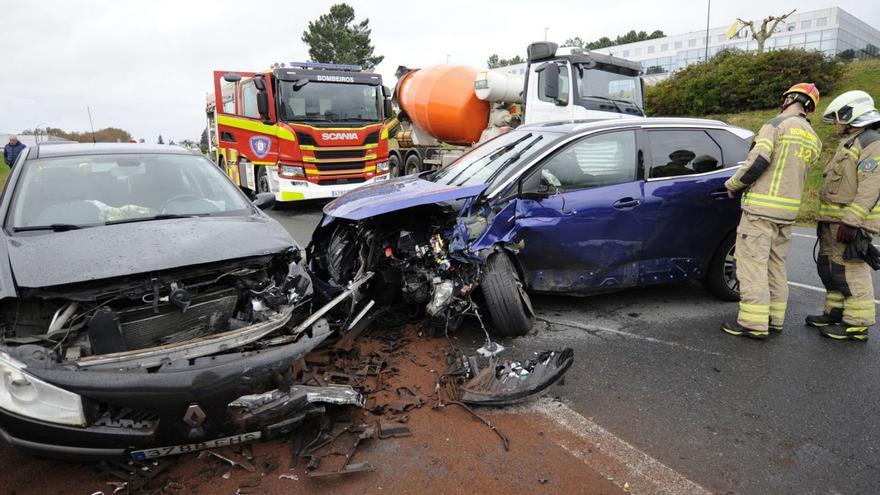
(734, 148)
(594, 161)
(683, 152)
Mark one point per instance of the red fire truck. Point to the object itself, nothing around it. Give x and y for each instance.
(301, 130)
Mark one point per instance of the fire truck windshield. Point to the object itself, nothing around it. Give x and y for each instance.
(318, 101)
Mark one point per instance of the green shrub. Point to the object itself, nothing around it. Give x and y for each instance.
(734, 81)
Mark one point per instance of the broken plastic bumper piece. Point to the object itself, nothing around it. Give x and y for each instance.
(501, 383)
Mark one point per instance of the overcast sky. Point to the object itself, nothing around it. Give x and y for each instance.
(145, 66)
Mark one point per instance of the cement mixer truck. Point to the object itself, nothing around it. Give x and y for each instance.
(443, 110)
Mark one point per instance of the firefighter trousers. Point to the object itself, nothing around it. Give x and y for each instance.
(848, 283)
(761, 248)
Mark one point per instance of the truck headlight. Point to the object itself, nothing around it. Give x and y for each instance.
(292, 171)
(26, 395)
(382, 167)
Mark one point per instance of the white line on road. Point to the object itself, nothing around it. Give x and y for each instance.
(631, 468)
(595, 328)
(817, 289)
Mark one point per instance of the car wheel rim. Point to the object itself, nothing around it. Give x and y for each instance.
(730, 279)
(263, 186)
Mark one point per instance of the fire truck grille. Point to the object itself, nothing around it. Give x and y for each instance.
(335, 167)
(339, 154)
(339, 182)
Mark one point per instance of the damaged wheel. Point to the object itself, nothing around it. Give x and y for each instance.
(509, 305)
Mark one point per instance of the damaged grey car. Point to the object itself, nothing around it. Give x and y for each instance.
(149, 307)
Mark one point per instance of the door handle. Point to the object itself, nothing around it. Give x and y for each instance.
(626, 203)
(719, 194)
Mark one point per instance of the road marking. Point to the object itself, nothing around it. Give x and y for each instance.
(631, 468)
(594, 328)
(808, 236)
(817, 289)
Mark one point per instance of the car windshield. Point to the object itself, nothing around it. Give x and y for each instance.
(89, 190)
(493, 159)
(607, 84)
(316, 101)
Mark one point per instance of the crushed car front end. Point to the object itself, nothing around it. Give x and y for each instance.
(153, 335)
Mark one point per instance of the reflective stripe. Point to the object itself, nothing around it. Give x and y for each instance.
(780, 166)
(769, 205)
(756, 318)
(856, 210)
(250, 125)
(836, 296)
(778, 199)
(806, 144)
(851, 152)
(766, 143)
(831, 210)
(757, 307)
(736, 184)
(858, 304)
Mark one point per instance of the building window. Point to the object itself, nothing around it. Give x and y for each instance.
(677, 45)
(626, 53)
(806, 24)
(692, 42)
(650, 49)
(664, 47)
(822, 22)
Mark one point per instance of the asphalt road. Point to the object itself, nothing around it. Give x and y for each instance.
(794, 414)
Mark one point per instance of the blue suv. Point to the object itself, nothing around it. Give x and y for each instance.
(571, 207)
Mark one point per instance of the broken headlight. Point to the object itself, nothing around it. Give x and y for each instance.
(28, 396)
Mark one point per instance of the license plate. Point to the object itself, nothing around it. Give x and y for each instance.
(336, 194)
(194, 447)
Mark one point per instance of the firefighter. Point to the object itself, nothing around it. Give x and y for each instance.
(848, 203)
(773, 181)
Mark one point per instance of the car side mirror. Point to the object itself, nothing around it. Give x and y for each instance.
(264, 200)
(387, 108)
(534, 195)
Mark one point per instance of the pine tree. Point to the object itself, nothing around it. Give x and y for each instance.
(336, 38)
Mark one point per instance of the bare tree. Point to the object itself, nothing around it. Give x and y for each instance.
(762, 35)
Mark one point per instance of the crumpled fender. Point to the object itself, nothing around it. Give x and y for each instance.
(502, 230)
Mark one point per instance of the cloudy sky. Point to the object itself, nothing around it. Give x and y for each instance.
(145, 66)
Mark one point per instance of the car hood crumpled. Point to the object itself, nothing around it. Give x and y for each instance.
(395, 195)
(95, 253)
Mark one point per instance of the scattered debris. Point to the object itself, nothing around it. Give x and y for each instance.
(393, 429)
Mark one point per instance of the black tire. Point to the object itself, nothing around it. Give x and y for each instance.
(509, 305)
(262, 179)
(342, 255)
(393, 165)
(720, 279)
(413, 164)
(221, 163)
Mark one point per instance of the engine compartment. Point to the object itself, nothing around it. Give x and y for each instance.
(82, 323)
(418, 271)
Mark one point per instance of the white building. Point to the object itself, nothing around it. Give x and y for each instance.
(831, 31)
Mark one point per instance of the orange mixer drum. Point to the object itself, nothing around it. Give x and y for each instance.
(441, 100)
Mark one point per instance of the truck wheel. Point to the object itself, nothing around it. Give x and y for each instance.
(394, 166)
(509, 305)
(413, 164)
(262, 180)
(720, 279)
(222, 164)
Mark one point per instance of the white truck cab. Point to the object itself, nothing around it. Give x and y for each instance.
(572, 84)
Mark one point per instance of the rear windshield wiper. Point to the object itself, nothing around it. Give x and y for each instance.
(55, 227)
(164, 216)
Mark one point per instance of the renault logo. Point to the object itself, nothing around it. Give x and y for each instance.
(194, 415)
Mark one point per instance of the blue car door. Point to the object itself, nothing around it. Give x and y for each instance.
(578, 216)
(686, 210)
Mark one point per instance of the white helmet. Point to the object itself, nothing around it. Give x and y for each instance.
(853, 108)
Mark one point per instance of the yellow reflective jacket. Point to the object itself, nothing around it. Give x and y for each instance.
(852, 183)
(774, 172)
